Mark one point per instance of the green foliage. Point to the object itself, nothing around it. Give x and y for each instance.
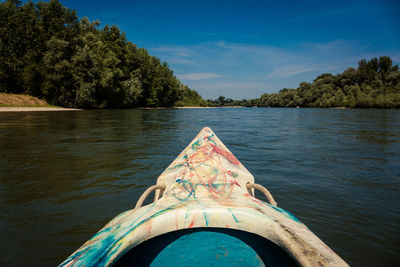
(376, 83)
(221, 101)
(190, 98)
(46, 51)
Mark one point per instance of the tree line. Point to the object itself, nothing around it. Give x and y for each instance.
(221, 101)
(375, 83)
(48, 52)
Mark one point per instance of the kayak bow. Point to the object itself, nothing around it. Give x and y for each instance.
(205, 197)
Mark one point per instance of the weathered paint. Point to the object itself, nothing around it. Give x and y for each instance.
(205, 187)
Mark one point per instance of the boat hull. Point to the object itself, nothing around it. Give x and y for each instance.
(206, 187)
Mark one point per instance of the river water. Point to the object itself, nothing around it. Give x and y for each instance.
(64, 175)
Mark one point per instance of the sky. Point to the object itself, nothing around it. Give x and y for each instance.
(242, 49)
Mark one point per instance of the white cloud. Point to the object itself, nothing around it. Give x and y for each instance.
(198, 76)
(179, 55)
(290, 70)
(180, 61)
(180, 51)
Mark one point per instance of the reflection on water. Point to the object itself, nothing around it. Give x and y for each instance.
(65, 174)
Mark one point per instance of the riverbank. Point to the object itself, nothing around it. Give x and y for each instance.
(23, 103)
(20, 100)
(192, 107)
(212, 107)
(25, 109)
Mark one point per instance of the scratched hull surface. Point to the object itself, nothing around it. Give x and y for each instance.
(205, 187)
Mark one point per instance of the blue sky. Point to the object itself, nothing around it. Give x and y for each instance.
(242, 49)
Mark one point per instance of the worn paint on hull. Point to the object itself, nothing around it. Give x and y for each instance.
(205, 187)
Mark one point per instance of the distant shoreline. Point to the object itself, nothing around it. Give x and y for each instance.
(28, 109)
(189, 107)
(212, 107)
(192, 107)
(34, 109)
(170, 107)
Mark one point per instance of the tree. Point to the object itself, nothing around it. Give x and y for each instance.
(375, 83)
(221, 100)
(48, 52)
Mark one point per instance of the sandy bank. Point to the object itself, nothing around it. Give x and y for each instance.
(20, 102)
(24, 109)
